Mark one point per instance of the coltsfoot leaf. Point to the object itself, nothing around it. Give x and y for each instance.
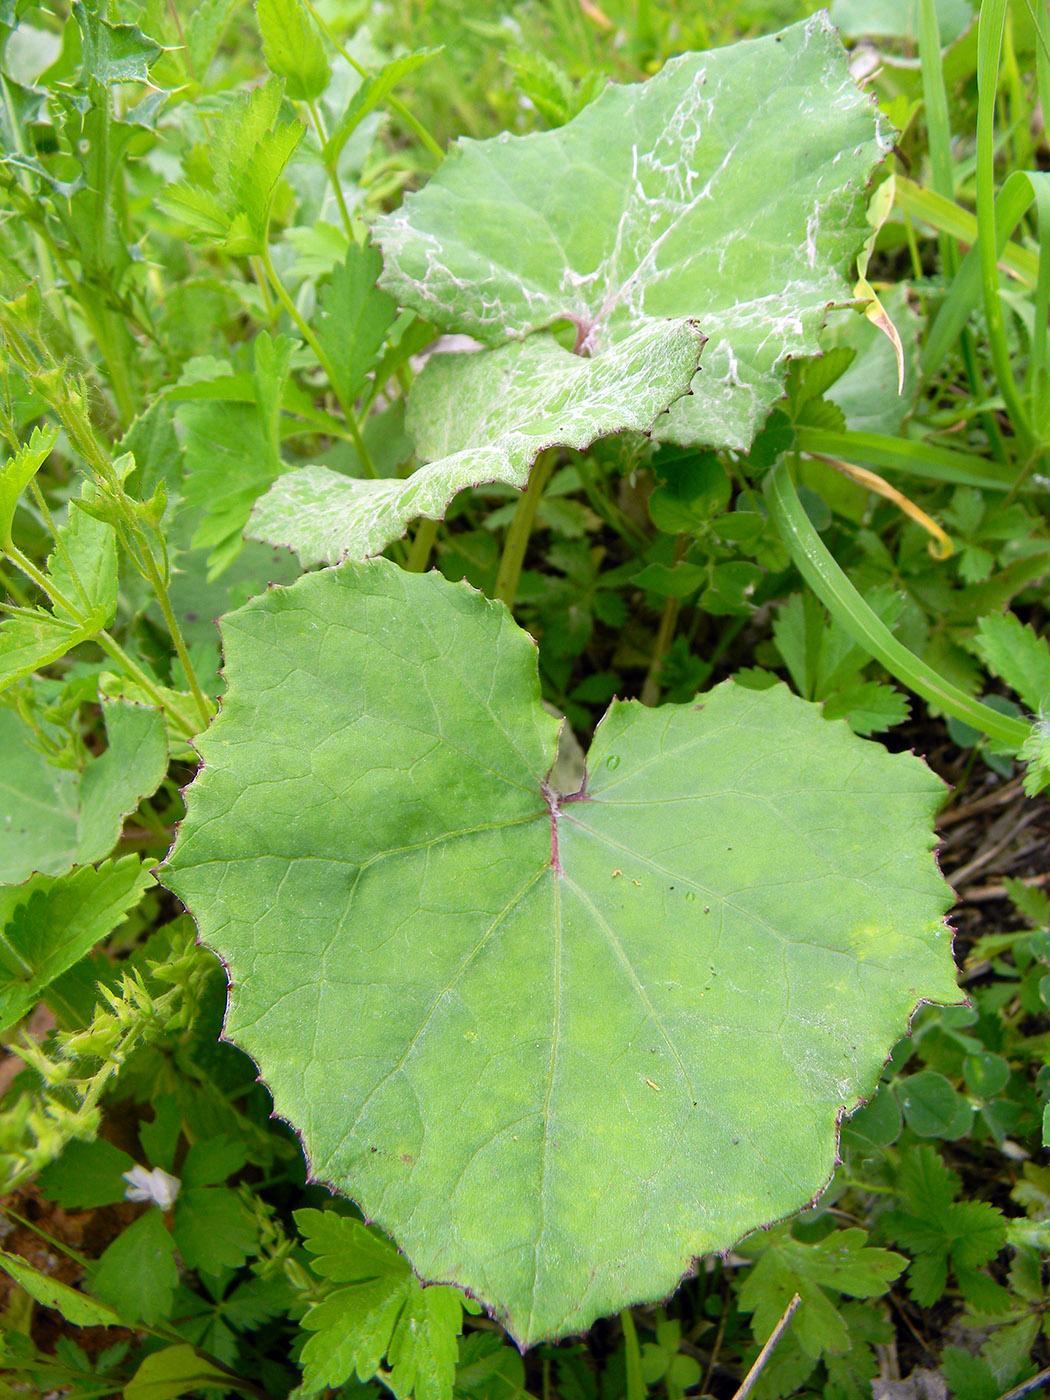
(558, 1046)
(728, 188)
(507, 406)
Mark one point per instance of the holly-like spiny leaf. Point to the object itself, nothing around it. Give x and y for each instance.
(558, 1046)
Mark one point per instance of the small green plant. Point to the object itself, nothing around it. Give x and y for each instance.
(568, 1017)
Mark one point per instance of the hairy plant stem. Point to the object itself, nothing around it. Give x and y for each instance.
(139, 548)
(517, 541)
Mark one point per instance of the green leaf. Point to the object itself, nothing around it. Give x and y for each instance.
(491, 413)
(370, 94)
(567, 997)
(174, 1371)
(1035, 754)
(112, 53)
(489, 1369)
(378, 1309)
(937, 1231)
(48, 924)
(355, 317)
(74, 1306)
(931, 1106)
(697, 489)
(29, 643)
(646, 206)
(212, 1229)
(868, 707)
(54, 818)
(550, 89)
(239, 169)
(233, 453)
(203, 30)
(899, 19)
(18, 471)
(1017, 656)
(671, 582)
(86, 1175)
(842, 1261)
(137, 1274)
(292, 47)
(83, 564)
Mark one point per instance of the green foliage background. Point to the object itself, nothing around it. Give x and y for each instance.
(190, 320)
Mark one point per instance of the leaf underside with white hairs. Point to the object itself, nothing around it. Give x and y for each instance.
(729, 188)
(483, 418)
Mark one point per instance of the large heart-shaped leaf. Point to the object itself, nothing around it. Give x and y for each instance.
(557, 1046)
(729, 188)
(482, 418)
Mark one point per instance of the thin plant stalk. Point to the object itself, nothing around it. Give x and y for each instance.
(517, 541)
(664, 637)
(330, 168)
(422, 544)
(105, 640)
(315, 345)
(394, 103)
(632, 1357)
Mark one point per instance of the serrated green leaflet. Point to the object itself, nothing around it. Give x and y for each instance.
(557, 1047)
(647, 205)
(481, 418)
(47, 925)
(52, 818)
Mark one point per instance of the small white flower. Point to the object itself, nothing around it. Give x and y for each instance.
(157, 1186)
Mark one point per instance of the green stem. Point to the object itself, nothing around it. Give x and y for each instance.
(938, 123)
(262, 282)
(664, 636)
(60, 544)
(395, 104)
(989, 45)
(368, 466)
(102, 638)
(156, 582)
(851, 612)
(636, 1387)
(330, 168)
(419, 551)
(517, 541)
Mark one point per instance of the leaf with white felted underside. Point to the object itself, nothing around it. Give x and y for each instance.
(729, 188)
(479, 418)
(556, 1046)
